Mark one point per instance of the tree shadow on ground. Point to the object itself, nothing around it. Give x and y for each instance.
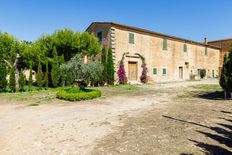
(222, 134)
(217, 95)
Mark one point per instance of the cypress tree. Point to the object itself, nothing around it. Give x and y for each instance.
(55, 73)
(30, 80)
(104, 63)
(110, 67)
(3, 81)
(46, 75)
(39, 76)
(21, 81)
(12, 80)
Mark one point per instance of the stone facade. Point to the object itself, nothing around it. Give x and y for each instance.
(225, 46)
(179, 59)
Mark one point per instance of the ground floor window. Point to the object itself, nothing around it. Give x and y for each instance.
(154, 71)
(164, 71)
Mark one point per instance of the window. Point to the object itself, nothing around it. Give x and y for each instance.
(99, 35)
(165, 44)
(164, 71)
(185, 48)
(131, 38)
(206, 51)
(154, 71)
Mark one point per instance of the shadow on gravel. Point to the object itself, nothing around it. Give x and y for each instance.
(222, 134)
(217, 95)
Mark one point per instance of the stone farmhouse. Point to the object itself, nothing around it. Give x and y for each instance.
(168, 58)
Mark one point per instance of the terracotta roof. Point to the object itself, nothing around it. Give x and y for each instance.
(154, 33)
(220, 40)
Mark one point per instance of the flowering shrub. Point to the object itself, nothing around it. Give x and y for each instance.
(121, 71)
(143, 77)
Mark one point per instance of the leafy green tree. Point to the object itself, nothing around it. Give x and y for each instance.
(90, 72)
(55, 73)
(46, 75)
(226, 75)
(39, 76)
(104, 63)
(12, 80)
(110, 67)
(3, 73)
(30, 80)
(21, 80)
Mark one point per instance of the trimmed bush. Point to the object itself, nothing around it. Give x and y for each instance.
(76, 94)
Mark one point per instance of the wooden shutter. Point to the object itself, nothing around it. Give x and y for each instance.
(165, 44)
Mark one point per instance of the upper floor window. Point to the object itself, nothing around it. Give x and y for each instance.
(206, 51)
(185, 48)
(165, 44)
(131, 38)
(99, 35)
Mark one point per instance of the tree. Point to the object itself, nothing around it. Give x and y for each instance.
(30, 80)
(110, 67)
(90, 72)
(226, 75)
(12, 80)
(21, 80)
(122, 79)
(104, 63)
(3, 73)
(39, 76)
(46, 75)
(55, 73)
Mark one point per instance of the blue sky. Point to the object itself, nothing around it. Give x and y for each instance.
(190, 19)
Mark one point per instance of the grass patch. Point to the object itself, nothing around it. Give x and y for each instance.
(34, 104)
(126, 87)
(207, 87)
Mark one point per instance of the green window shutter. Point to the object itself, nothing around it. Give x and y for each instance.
(131, 38)
(154, 71)
(213, 74)
(99, 35)
(185, 48)
(206, 51)
(165, 44)
(164, 71)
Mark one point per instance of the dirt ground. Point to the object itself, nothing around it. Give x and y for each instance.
(156, 119)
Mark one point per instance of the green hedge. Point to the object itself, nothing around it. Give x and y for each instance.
(72, 95)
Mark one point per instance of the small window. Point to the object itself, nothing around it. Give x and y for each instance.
(206, 51)
(165, 44)
(164, 71)
(131, 38)
(154, 71)
(99, 35)
(185, 48)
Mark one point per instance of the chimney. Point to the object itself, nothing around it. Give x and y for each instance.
(206, 40)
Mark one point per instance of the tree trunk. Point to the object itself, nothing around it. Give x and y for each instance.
(225, 93)
(15, 65)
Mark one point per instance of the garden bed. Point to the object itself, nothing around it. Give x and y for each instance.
(77, 94)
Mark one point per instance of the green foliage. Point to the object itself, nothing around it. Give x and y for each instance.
(202, 73)
(104, 63)
(76, 94)
(226, 74)
(46, 75)
(55, 73)
(21, 81)
(39, 76)
(91, 71)
(30, 81)
(12, 82)
(3, 81)
(110, 67)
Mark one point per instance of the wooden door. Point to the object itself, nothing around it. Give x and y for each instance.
(181, 72)
(132, 71)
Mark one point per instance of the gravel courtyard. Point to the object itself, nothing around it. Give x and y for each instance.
(169, 118)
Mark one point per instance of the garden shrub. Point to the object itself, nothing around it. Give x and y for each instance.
(202, 73)
(77, 94)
